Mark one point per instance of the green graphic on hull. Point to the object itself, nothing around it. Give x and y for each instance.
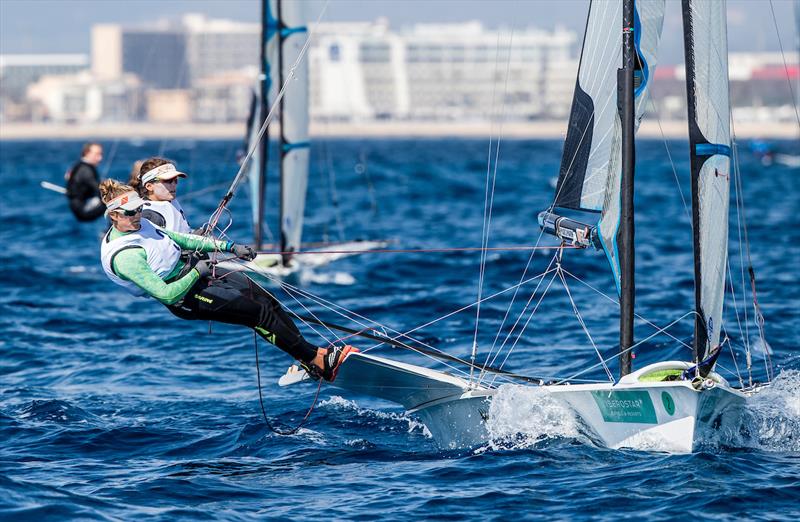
(626, 406)
(669, 403)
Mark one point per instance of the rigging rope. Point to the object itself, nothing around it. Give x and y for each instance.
(785, 66)
(419, 250)
(269, 424)
(582, 323)
(488, 203)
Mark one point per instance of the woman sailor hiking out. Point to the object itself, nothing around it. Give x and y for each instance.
(156, 181)
(146, 260)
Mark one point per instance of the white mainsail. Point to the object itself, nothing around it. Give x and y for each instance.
(254, 172)
(294, 123)
(709, 140)
(589, 177)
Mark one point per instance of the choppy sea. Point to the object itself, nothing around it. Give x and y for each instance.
(112, 409)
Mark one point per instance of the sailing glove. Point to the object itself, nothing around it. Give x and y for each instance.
(245, 252)
(204, 267)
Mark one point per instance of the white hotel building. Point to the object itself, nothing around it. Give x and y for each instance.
(202, 69)
(439, 72)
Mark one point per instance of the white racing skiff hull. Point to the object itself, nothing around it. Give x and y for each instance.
(670, 416)
(265, 266)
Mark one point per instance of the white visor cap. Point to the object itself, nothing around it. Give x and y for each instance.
(166, 171)
(128, 201)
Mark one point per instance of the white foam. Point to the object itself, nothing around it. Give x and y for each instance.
(760, 346)
(327, 278)
(524, 416)
(341, 403)
(772, 419)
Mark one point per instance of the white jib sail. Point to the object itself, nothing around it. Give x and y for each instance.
(294, 121)
(589, 178)
(710, 139)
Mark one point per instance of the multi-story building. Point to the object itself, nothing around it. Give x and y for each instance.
(358, 70)
(83, 98)
(17, 71)
(168, 55)
(435, 72)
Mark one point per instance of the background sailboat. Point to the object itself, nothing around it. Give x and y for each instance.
(669, 405)
(283, 35)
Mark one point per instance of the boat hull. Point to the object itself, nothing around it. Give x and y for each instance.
(663, 416)
(673, 416)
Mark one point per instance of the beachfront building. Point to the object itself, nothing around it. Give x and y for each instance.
(174, 55)
(440, 72)
(358, 71)
(83, 98)
(18, 71)
(761, 87)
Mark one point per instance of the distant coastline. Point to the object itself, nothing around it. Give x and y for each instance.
(393, 129)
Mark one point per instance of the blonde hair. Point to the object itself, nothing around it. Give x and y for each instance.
(111, 188)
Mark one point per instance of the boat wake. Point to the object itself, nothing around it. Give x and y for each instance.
(328, 278)
(522, 417)
(771, 421)
(384, 420)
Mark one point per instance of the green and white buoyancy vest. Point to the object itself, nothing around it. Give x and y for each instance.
(172, 212)
(162, 253)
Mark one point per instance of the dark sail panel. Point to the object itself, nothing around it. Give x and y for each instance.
(576, 151)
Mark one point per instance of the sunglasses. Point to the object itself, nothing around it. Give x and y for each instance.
(167, 181)
(130, 213)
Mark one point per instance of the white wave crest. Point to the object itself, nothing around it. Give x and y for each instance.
(413, 425)
(524, 416)
(771, 421)
(327, 278)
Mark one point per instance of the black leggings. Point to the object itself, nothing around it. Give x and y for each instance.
(87, 210)
(234, 299)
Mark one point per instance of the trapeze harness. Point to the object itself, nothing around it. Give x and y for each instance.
(83, 192)
(166, 214)
(149, 262)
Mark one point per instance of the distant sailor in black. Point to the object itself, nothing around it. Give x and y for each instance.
(83, 182)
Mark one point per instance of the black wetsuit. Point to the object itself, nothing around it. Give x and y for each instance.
(234, 299)
(83, 192)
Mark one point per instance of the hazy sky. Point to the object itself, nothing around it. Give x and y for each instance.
(61, 26)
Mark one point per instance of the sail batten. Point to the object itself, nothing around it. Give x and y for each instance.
(705, 43)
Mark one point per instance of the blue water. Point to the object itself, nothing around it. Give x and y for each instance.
(111, 408)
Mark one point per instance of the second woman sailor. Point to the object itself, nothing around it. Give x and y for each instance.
(147, 260)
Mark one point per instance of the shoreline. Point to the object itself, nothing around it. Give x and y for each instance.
(514, 130)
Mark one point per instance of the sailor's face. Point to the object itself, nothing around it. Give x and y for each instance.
(164, 190)
(94, 156)
(125, 223)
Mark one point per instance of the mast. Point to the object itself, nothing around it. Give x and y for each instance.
(282, 141)
(261, 105)
(625, 233)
